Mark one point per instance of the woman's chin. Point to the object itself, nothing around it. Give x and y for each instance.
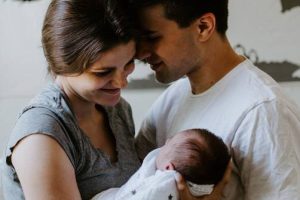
(109, 101)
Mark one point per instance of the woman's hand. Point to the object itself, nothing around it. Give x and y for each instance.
(216, 194)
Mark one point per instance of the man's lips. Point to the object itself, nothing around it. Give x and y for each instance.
(112, 91)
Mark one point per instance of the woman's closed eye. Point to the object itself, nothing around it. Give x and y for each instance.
(103, 73)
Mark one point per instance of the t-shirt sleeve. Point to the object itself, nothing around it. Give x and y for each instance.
(40, 121)
(267, 152)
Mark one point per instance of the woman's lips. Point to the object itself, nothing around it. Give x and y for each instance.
(112, 91)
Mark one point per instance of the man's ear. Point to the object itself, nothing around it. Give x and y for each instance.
(205, 26)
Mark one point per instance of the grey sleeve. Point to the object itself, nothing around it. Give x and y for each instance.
(126, 115)
(145, 140)
(40, 121)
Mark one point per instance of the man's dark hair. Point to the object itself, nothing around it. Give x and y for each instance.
(184, 12)
(202, 158)
(76, 31)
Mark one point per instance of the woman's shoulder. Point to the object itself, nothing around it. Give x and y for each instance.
(46, 115)
(50, 97)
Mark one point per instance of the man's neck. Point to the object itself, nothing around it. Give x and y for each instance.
(214, 67)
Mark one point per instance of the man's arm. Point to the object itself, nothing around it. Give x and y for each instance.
(266, 151)
(143, 146)
(145, 140)
(44, 169)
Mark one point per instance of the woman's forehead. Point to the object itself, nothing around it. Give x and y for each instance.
(117, 56)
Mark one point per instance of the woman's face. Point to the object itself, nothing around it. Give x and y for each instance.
(102, 82)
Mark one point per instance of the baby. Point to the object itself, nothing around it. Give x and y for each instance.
(197, 154)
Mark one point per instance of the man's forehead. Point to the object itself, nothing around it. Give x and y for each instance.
(151, 17)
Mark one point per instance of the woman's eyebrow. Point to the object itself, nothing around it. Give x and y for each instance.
(103, 69)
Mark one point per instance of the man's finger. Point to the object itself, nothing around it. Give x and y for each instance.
(181, 185)
(226, 177)
(227, 173)
(184, 192)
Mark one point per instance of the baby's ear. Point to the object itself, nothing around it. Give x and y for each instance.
(169, 166)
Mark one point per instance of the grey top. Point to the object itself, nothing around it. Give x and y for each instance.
(49, 113)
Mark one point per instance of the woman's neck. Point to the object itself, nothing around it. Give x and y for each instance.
(82, 108)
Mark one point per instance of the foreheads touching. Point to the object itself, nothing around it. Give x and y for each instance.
(76, 32)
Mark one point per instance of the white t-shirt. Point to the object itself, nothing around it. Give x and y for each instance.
(147, 183)
(249, 111)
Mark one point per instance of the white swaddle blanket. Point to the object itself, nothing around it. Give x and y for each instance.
(147, 183)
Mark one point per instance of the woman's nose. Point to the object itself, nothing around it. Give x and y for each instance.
(119, 80)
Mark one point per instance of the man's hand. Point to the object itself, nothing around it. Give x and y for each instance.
(216, 194)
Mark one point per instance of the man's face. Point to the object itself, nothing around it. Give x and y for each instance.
(169, 49)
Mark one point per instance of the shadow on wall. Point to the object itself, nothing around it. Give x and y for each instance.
(289, 4)
(146, 83)
(280, 71)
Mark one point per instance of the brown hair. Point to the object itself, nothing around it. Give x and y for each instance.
(201, 158)
(75, 32)
(184, 12)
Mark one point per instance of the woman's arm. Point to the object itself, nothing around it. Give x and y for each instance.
(44, 169)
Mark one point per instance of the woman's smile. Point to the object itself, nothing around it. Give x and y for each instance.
(112, 92)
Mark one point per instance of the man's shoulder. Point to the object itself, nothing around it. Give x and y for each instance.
(253, 84)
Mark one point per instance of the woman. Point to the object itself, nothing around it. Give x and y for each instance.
(75, 139)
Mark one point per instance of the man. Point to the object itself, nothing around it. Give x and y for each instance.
(222, 92)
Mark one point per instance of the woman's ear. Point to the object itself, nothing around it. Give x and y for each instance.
(205, 26)
(169, 166)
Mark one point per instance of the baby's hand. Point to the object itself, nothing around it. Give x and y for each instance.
(216, 194)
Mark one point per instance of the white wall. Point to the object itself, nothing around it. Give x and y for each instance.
(23, 67)
(261, 25)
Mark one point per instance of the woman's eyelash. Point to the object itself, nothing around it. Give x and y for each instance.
(104, 73)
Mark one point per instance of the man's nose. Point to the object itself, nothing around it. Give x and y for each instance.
(143, 50)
